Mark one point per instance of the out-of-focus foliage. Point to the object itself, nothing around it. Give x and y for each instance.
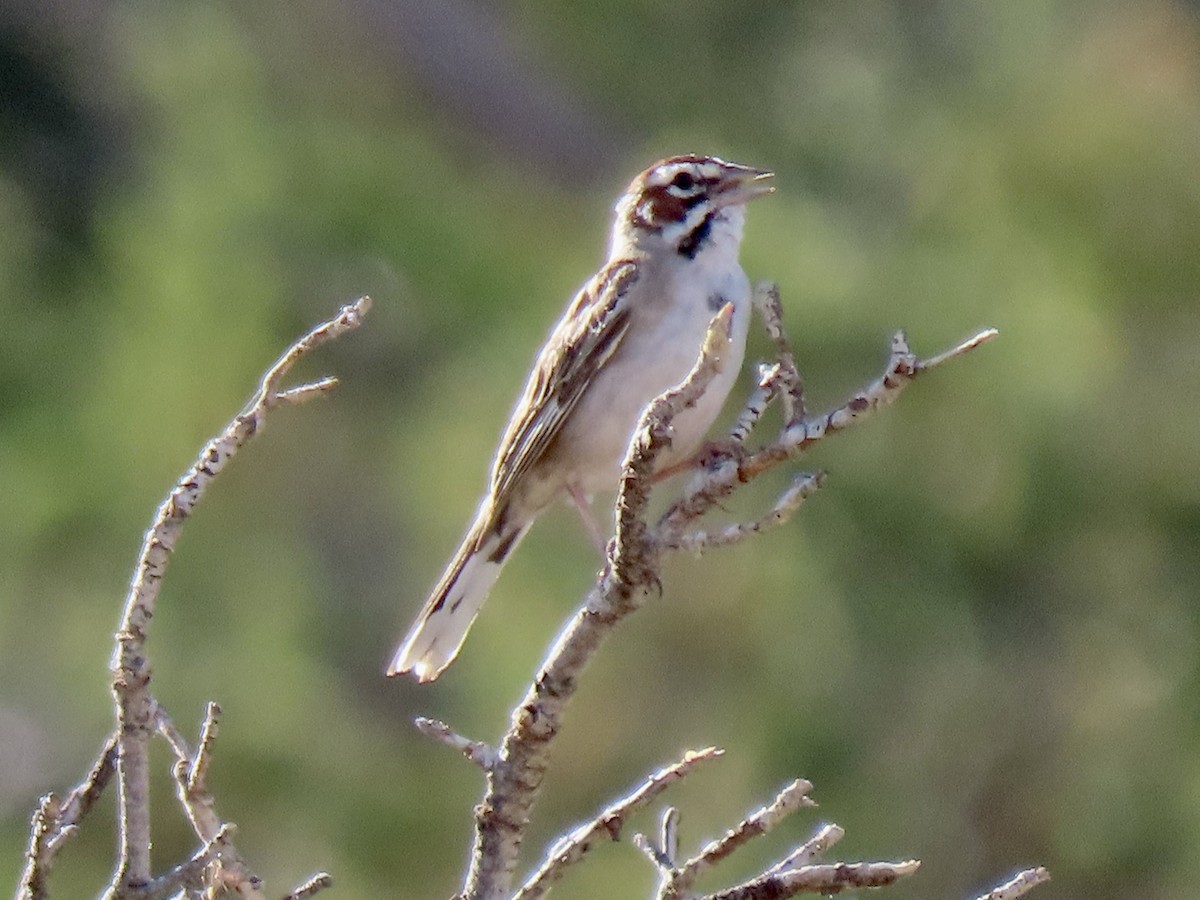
(979, 641)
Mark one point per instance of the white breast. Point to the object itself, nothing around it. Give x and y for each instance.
(660, 349)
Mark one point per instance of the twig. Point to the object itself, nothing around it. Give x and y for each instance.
(811, 850)
(766, 390)
(767, 301)
(903, 366)
(514, 781)
(131, 668)
(318, 882)
(781, 512)
(190, 872)
(1019, 885)
(796, 873)
(665, 854)
(55, 822)
(197, 776)
(791, 798)
(827, 878)
(191, 787)
(608, 825)
(629, 559)
(38, 860)
(483, 755)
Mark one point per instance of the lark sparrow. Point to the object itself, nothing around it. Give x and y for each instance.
(631, 333)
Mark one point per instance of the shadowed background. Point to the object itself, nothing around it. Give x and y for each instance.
(979, 641)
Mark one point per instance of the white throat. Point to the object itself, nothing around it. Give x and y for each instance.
(720, 245)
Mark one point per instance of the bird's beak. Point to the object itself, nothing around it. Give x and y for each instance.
(743, 185)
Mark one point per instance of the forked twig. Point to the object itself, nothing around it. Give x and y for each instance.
(791, 798)
(138, 715)
(608, 825)
(131, 667)
(795, 874)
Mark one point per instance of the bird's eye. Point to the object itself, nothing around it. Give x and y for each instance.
(684, 181)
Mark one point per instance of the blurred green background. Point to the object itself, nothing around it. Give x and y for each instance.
(979, 641)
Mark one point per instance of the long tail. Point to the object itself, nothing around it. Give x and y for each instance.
(438, 634)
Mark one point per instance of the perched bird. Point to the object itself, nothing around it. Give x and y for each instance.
(631, 333)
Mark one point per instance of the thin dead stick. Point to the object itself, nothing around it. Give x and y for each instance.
(131, 668)
(796, 873)
(827, 878)
(38, 860)
(811, 850)
(903, 367)
(770, 307)
(1019, 885)
(191, 788)
(608, 825)
(190, 873)
(309, 888)
(697, 542)
(791, 798)
(56, 821)
(483, 755)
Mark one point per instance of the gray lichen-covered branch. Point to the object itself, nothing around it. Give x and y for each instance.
(216, 864)
(515, 768)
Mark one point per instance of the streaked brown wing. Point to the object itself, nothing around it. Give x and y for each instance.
(589, 333)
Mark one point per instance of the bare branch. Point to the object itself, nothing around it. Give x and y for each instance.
(794, 874)
(665, 854)
(483, 755)
(791, 798)
(608, 825)
(516, 771)
(828, 878)
(55, 822)
(1019, 885)
(811, 850)
(903, 366)
(767, 302)
(191, 787)
(718, 482)
(190, 873)
(197, 779)
(515, 779)
(318, 882)
(305, 392)
(954, 352)
(38, 859)
(131, 667)
(781, 512)
(628, 560)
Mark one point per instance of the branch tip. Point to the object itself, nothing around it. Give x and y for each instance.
(1019, 885)
(304, 392)
(483, 755)
(971, 343)
(318, 882)
(811, 850)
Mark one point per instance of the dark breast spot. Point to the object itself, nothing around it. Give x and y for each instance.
(691, 243)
